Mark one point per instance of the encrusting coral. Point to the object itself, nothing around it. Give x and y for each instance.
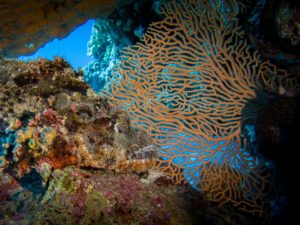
(64, 123)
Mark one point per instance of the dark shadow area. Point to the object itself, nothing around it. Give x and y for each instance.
(277, 128)
(278, 140)
(33, 183)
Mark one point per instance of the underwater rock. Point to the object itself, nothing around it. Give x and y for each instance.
(76, 196)
(28, 25)
(48, 114)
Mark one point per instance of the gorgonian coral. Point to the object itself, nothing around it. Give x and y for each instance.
(187, 83)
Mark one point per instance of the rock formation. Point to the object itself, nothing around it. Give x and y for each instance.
(28, 25)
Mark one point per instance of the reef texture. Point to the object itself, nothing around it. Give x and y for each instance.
(123, 27)
(48, 114)
(190, 84)
(68, 157)
(75, 196)
(28, 25)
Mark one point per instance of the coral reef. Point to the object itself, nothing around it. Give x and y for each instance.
(48, 114)
(28, 25)
(123, 27)
(68, 157)
(104, 46)
(188, 83)
(192, 98)
(76, 196)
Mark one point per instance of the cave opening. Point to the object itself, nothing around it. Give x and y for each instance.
(72, 48)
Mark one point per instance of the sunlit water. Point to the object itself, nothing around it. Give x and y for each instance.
(73, 48)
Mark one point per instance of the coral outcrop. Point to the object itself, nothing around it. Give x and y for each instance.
(48, 114)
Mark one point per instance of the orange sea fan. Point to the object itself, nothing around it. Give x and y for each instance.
(186, 84)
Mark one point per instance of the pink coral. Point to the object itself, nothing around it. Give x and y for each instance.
(51, 118)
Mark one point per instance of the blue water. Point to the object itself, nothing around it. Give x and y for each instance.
(73, 48)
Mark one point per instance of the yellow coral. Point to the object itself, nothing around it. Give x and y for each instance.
(32, 144)
(14, 123)
(24, 135)
(140, 165)
(48, 136)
